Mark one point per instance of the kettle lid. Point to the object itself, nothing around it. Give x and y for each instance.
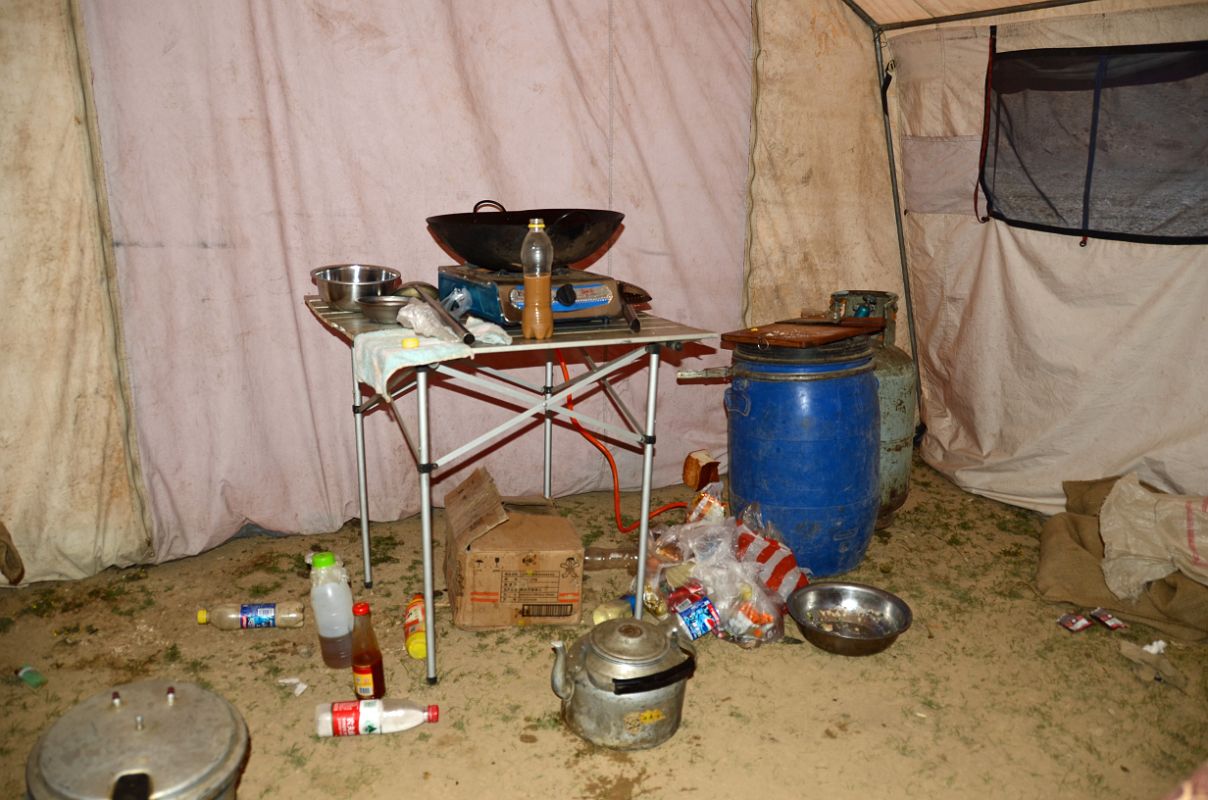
(630, 641)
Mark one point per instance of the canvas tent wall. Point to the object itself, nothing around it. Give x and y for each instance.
(236, 150)
(1043, 360)
(240, 147)
(1040, 360)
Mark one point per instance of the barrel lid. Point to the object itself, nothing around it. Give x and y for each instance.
(802, 333)
(190, 743)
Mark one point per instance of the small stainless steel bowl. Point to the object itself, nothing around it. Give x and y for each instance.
(850, 619)
(383, 307)
(342, 285)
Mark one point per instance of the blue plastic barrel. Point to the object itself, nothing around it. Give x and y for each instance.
(804, 443)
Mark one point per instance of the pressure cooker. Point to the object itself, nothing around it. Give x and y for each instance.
(150, 739)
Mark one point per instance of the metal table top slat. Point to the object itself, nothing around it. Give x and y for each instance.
(350, 324)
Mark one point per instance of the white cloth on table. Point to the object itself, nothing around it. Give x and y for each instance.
(379, 354)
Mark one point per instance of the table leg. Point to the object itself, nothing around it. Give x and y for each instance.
(547, 484)
(358, 416)
(425, 510)
(647, 472)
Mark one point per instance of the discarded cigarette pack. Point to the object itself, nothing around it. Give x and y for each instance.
(509, 562)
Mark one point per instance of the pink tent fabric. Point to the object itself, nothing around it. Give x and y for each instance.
(246, 144)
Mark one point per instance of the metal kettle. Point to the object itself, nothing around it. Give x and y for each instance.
(622, 684)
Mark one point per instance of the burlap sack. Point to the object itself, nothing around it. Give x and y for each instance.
(1071, 551)
(1148, 535)
(11, 566)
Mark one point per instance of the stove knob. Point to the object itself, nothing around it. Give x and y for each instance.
(566, 294)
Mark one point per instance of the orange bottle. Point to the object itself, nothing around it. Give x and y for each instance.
(414, 630)
(368, 674)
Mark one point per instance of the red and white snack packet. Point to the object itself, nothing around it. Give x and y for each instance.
(775, 563)
(1074, 622)
(1108, 619)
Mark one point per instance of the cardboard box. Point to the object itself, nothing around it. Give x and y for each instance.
(513, 562)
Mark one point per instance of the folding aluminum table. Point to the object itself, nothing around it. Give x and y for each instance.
(545, 402)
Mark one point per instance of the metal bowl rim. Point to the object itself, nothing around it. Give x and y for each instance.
(893, 599)
(384, 300)
(392, 274)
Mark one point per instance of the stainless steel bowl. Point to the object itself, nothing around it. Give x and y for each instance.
(342, 285)
(850, 619)
(383, 307)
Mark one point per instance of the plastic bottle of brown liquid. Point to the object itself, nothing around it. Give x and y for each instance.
(368, 675)
(537, 256)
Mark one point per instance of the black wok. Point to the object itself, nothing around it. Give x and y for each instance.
(492, 239)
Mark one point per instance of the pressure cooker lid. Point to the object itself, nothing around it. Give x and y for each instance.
(160, 739)
(630, 641)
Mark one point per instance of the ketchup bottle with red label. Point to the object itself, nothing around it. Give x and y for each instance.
(368, 676)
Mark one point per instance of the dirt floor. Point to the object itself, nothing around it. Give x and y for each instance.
(986, 696)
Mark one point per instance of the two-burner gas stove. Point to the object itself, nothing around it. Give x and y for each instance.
(498, 295)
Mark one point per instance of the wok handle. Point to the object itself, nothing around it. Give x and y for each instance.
(453, 322)
(631, 317)
(495, 203)
(648, 683)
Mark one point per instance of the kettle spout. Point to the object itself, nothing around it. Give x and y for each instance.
(558, 681)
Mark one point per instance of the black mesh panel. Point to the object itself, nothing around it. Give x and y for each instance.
(1106, 142)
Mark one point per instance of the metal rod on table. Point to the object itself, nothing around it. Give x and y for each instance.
(425, 512)
(647, 472)
(547, 481)
(358, 417)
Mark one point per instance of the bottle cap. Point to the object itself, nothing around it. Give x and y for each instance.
(324, 559)
(410, 343)
(203, 616)
(433, 713)
(360, 609)
(536, 223)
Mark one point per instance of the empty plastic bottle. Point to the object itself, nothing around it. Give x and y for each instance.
(236, 616)
(359, 717)
(611, 558)
(331, 605)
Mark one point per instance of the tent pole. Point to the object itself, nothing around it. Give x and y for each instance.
(877, 44)
(972, 15)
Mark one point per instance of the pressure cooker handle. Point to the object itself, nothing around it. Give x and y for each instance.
(657, 680)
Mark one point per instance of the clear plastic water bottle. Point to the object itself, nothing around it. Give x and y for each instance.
(331, 606)
(360, 717)
(626, 558)
(238, 616)
(537, 256)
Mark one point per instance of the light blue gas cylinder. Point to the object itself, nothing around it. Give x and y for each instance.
(896, 392)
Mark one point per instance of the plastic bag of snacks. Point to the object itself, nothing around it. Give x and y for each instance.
(774, 562)
(704, 577)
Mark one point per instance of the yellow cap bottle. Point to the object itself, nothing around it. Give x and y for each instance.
(414, 629)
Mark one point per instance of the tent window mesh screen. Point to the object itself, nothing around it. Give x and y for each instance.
(1108, 142)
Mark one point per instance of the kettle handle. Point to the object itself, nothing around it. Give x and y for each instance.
(648, 683)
